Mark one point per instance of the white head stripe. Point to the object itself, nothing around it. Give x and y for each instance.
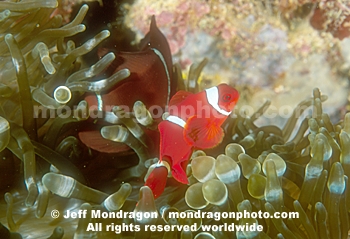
(213, 99)
(176, 120)
(159, 54)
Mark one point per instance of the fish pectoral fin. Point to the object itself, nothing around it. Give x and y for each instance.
(94, 140)
(202, 133)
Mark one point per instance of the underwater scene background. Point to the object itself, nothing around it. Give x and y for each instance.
(85, 84)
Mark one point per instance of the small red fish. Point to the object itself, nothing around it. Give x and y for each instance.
(194, 121)
(150, 81)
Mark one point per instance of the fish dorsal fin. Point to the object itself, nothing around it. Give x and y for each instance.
(179, 97)
(203, 133)
(156, 41)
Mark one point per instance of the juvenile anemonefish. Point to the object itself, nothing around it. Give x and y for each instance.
(150, 81)
(194, 121)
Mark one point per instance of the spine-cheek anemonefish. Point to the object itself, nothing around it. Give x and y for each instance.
(194, 122)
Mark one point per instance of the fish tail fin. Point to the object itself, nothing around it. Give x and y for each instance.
(157, 178)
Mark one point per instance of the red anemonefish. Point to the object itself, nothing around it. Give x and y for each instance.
(194, 121)
(150, 81)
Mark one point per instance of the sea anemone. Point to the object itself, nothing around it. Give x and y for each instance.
(42, 78)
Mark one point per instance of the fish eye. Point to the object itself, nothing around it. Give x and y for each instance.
(226, 97)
